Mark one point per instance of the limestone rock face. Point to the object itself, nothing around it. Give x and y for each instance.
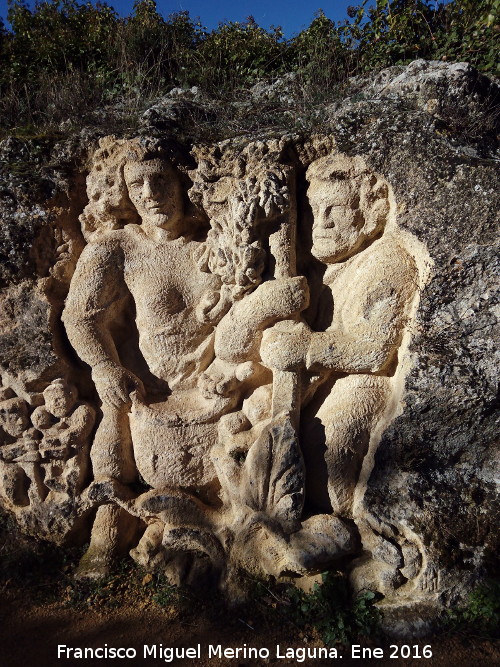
(267, 354)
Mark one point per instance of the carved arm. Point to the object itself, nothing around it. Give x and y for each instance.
(95, 299)
(239, 333)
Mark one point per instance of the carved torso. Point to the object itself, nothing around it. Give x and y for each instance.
(366, 302)
(372, 290)
(166, 286)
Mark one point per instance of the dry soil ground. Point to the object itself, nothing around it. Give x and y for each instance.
(41, 607)
(31, 630)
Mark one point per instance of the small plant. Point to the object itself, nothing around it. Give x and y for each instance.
(165, 594)
(332, 610)
(83, 593)
(481, 614)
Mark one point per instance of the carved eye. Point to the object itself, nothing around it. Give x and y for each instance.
(359, 219)
(161, 179)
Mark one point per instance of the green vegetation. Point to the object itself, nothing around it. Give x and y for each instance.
(481, 614)
(337, 615)
(67, 59)
(126, 583)
(44, 573)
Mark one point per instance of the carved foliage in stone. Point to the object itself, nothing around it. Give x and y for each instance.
(245, 395)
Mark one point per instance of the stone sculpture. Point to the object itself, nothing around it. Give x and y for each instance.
(244, 336)
(44, 457)
(360, 315)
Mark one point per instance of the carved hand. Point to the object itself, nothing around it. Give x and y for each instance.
(284, 346)
(114, 384)
(218, 380)
(237, 336)
(282, 298)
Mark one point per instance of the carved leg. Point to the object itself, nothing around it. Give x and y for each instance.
(37, 491)
(113, 532)
(336, 439)
(112, 454)
(14, 484)
(149, 552)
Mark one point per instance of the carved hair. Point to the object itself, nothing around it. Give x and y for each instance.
(239, 196)
(109, 205)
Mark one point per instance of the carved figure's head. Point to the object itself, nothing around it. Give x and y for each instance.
(129, 182)
(109, 206)
(14, 416)
(350, 205)
(60, 397)
(155, 191)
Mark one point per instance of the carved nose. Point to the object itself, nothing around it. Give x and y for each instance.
(325, 219)
(147, 190)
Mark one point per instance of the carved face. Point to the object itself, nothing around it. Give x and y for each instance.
(14, 416)
(103, 189)
(60, 398)
(155, 191)
(346, 213)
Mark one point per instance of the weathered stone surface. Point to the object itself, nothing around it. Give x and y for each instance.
(270, 353)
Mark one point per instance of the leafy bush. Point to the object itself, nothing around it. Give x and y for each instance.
(58, 36)
(397, 31)
(481, 614)
(236, 54)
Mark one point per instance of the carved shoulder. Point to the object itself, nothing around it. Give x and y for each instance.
(377, 289)
(98, 279)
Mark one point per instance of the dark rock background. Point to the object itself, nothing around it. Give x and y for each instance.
(436, 463)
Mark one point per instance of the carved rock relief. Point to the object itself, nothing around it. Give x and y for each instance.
(246, 325)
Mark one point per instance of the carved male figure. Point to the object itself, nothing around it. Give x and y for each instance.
(369, 284)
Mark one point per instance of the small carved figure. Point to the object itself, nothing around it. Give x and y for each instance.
(47, 450)
(65, 425)
(18, 451)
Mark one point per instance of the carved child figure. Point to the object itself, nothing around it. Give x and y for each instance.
(65, 425)
(369, 285)
(18, 451)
